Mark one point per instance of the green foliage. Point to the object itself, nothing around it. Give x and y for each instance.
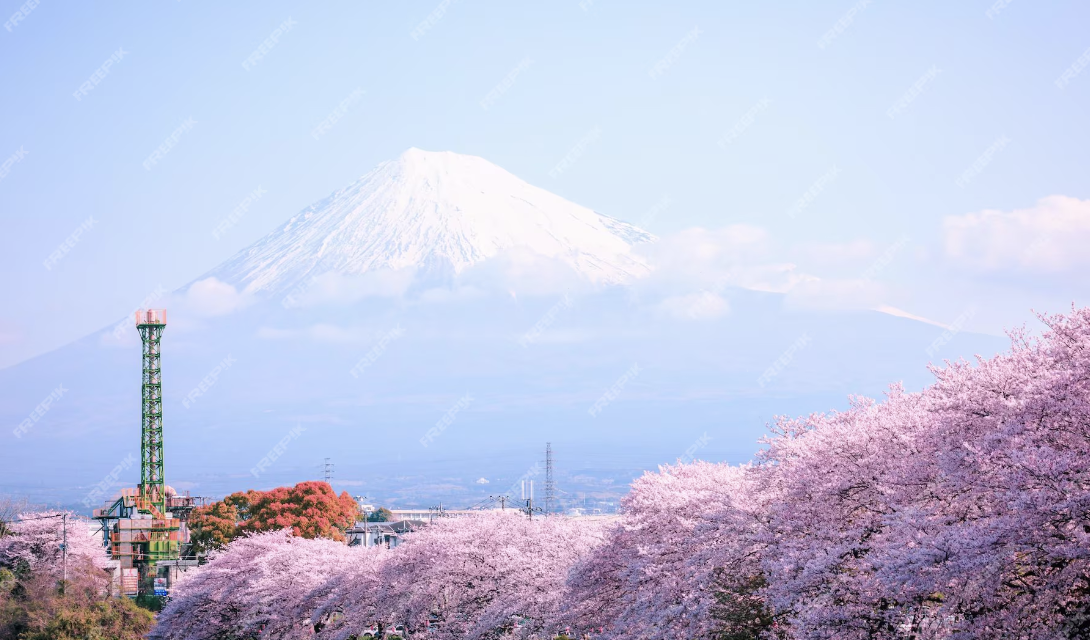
(740, 609)
(113, 619)
(150, 602)
(35, 609)
(382, 514)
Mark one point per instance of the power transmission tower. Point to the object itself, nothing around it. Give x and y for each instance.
(550, 484)
(328, 470)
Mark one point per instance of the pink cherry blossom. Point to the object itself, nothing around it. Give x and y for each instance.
(37, 540)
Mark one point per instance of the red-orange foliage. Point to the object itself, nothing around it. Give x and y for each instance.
(215, 525)
(309, 509)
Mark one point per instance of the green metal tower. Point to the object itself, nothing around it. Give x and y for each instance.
(145, 527)
(151, 323)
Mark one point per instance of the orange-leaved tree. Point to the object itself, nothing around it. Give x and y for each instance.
(214, 525)
(309, 509)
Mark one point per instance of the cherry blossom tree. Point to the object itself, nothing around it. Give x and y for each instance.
(35, 602)
(597, 584)
(661, 572)
(347, 603)
(469, 577)
(1004, 523)
(962, 508)
(35, 542)
(835, 494)
(260, 584)
(477, 576)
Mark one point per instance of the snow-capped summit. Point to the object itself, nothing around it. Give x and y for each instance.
(435, 209)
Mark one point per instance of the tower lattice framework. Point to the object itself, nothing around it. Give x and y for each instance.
(151, 323)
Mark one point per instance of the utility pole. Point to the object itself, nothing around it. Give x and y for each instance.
(360, 500)
(503, 500)
(530, 509)
(328, 470)
(64, 550)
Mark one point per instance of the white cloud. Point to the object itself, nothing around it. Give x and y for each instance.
(699, 248)
(780, 277)
(520, 271)
(1049, 237)
(442, 295)
(693, 270)
(210, 297)
(836, 253)
(334, 287)
(700, 259)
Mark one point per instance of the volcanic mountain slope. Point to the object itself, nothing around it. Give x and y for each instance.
(435, 210)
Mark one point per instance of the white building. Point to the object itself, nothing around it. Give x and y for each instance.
(380, 534)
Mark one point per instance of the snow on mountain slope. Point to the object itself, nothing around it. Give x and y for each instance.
(435, 210)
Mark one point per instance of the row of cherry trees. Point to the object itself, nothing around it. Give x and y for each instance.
(467, 577)
(962, 511)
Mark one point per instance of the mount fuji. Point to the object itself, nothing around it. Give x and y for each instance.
(406, 359)
(441, 212)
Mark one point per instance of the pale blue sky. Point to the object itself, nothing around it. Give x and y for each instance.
(590, 67)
